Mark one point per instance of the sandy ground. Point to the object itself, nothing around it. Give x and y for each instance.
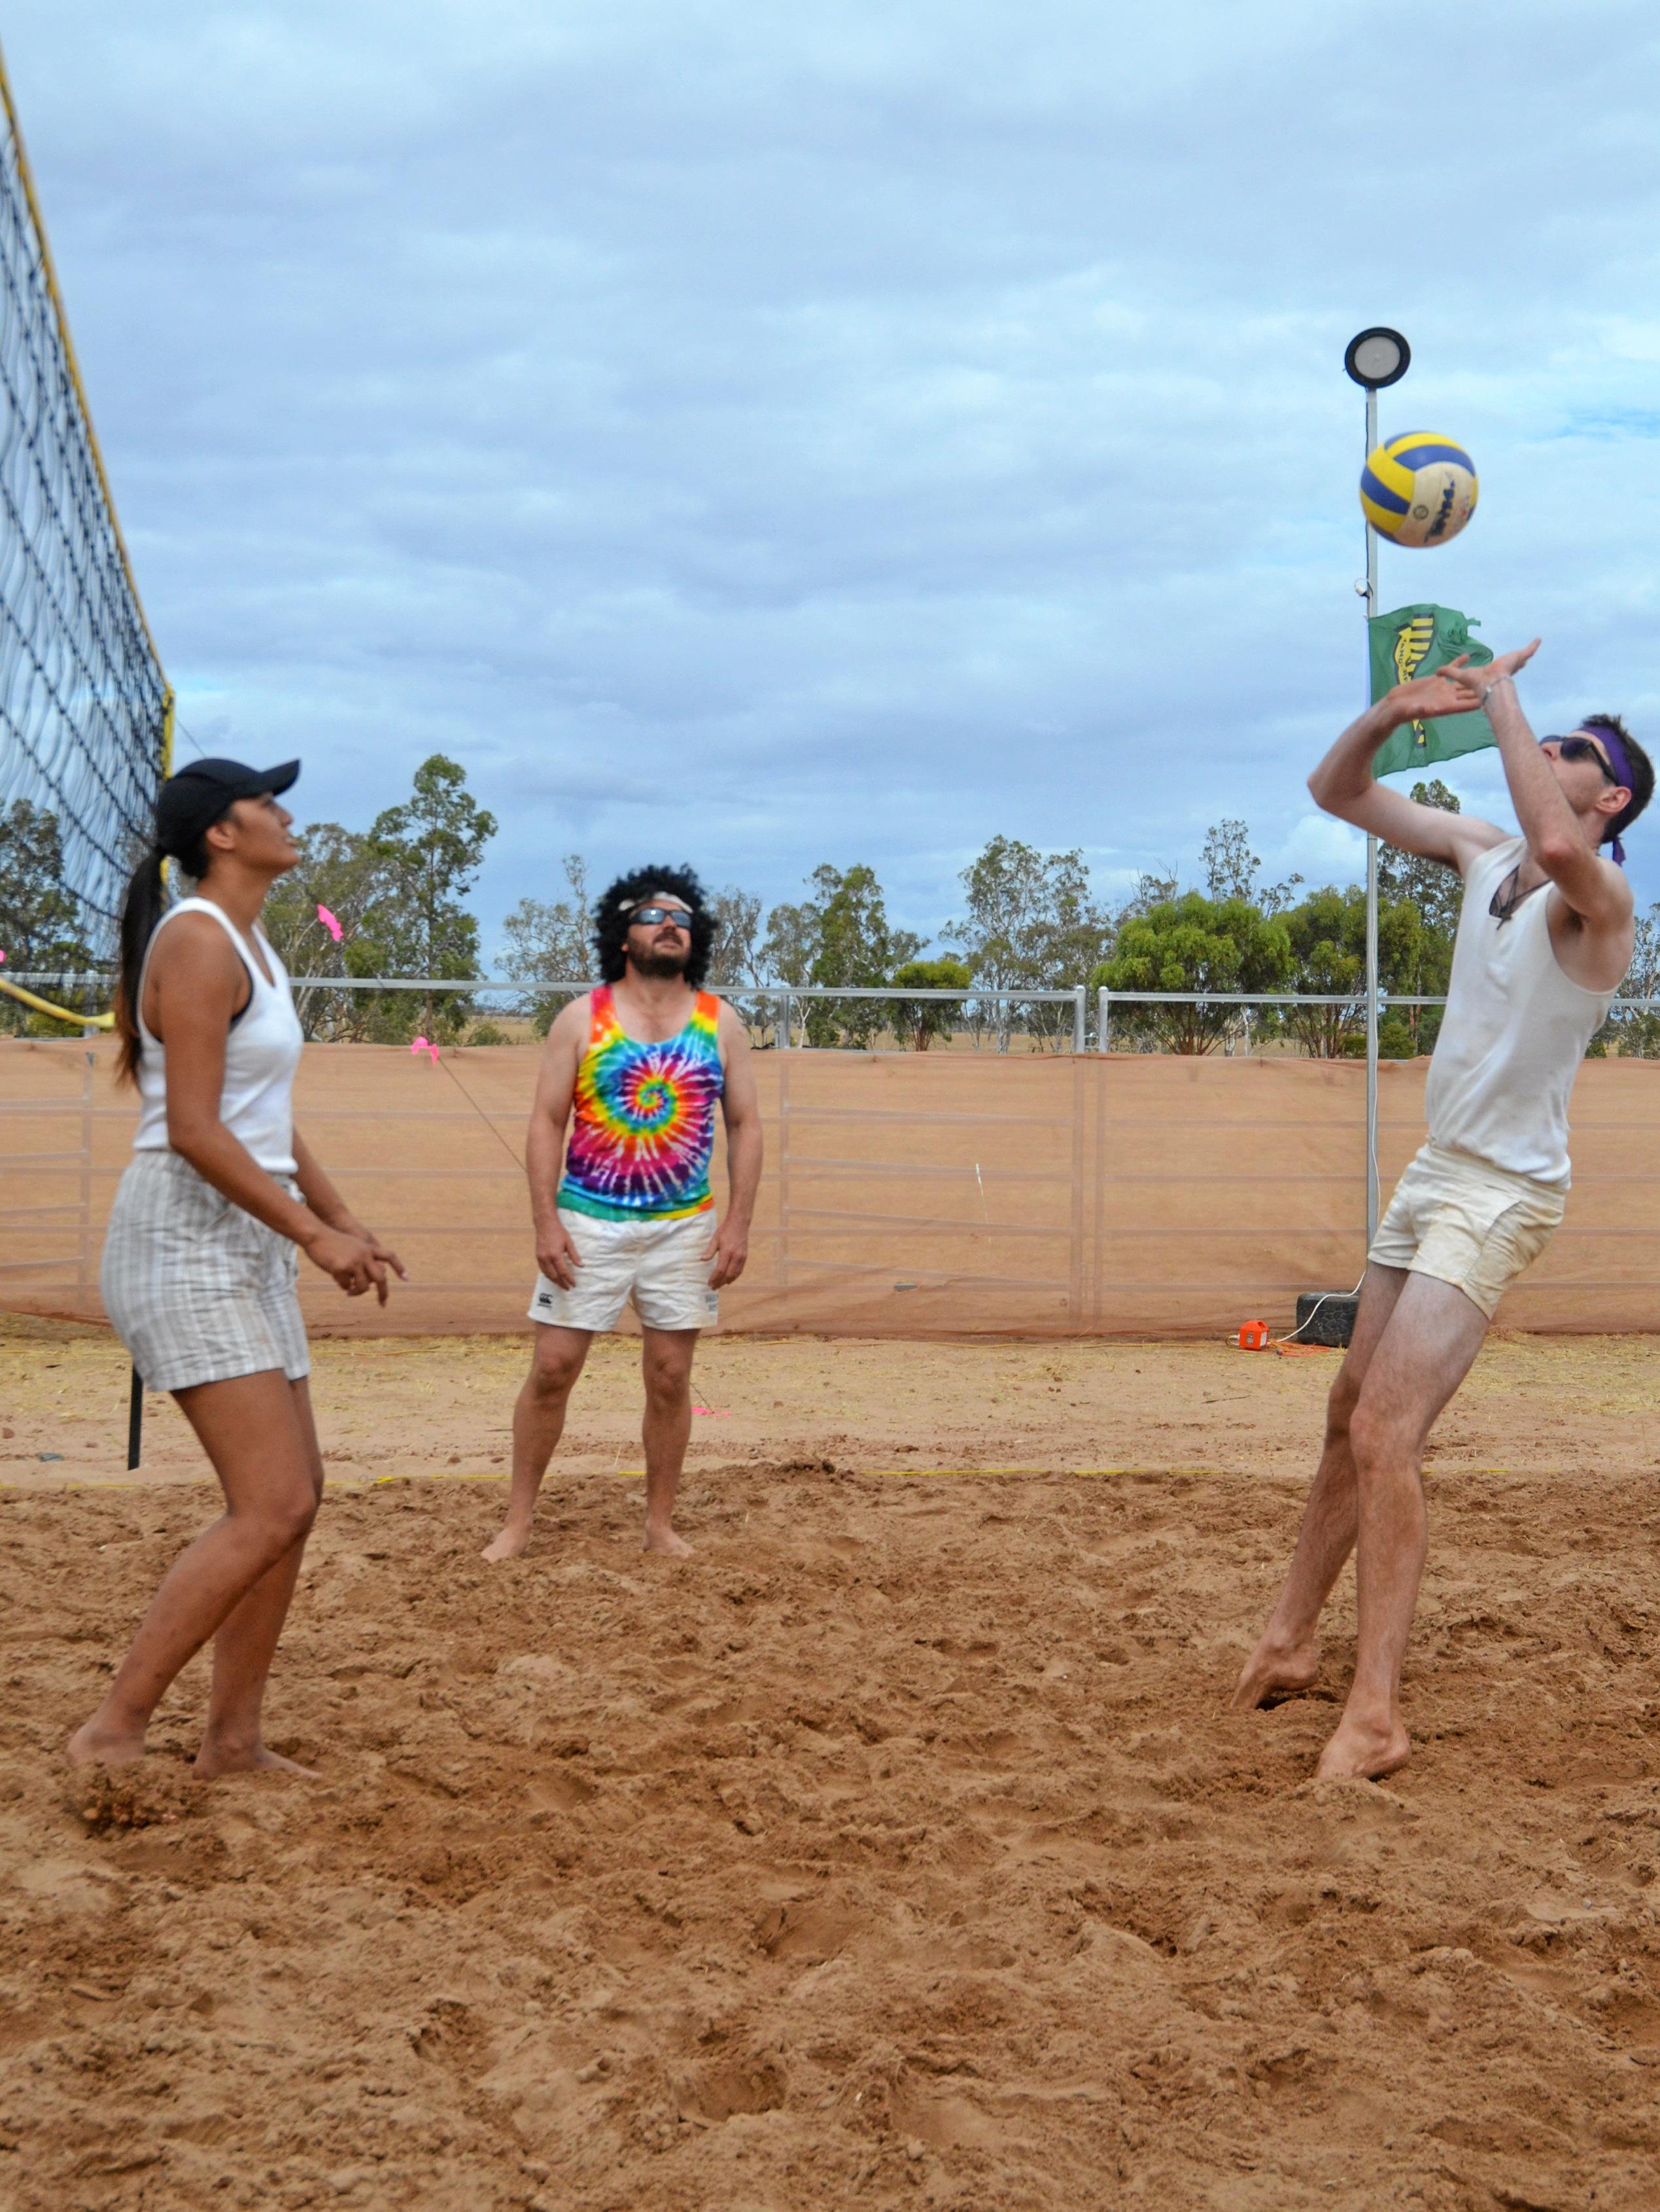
(895, 1850)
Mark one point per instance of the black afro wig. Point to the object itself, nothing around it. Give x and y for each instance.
(617, 903)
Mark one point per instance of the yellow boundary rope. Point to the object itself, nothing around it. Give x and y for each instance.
(48, 271)
(58, 1013)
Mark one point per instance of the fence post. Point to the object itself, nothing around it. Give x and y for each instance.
(1079, 1018)
(784, 1029)
(1103, 1000)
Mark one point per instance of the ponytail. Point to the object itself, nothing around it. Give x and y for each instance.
(145, 904)
(142, 909)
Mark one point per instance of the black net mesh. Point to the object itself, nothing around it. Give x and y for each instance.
(83, 702)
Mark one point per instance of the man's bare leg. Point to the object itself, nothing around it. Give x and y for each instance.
(243, 1648)
(264, 1462)
(556, 1360)
(1288, 1656)
(1427, 1350)
(667, 1368)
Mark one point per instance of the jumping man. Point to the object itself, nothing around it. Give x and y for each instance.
(644, 1060)
(1544, 940)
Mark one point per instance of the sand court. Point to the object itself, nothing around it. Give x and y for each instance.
(895, 1850)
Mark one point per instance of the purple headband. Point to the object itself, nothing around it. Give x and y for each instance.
(1620, 762)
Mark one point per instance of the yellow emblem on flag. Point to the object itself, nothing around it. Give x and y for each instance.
(1412, 642)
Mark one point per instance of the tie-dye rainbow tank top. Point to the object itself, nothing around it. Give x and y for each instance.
(644, 1126)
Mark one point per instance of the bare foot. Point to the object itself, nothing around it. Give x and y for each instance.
(664, 1539)
(1276, 1669)
(216, 1760)
(91, 1746)
(1363, 1751)
(508, 1545)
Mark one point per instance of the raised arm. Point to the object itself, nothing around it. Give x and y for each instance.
(1344, 785)
(544, 1142)
(1592, 887)
(740, 1108)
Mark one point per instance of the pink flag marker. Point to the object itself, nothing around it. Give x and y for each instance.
(330, 924)
(420, 1045)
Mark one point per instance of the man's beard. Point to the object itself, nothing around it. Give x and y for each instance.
(663, 961)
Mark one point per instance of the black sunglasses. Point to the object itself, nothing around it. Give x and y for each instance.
(1582, 749)
(653, 917)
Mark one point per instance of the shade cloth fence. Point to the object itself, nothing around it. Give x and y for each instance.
(1040, 1194)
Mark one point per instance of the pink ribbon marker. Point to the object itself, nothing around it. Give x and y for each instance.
(420, 1045)
(330, 924)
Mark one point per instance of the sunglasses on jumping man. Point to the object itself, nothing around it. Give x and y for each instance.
(1582, 749)
(654, 917)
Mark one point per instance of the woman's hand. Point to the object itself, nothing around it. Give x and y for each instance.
(357, 1263)
(354, 1227)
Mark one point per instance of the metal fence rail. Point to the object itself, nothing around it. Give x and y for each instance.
(787, 996)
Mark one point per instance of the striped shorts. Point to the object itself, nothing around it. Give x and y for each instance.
(199, 1292)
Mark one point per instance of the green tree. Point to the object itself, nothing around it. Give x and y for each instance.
(1437, 891)
(1328, 933)
(436, 841)
(549, 943)
(924, 1019)
(839, 936)
(345, 871)
(1231, 869)
(856, 945)
(1031, 924)
(737, 916)
(39, 918)
(1195, 944)
(1637, 1034)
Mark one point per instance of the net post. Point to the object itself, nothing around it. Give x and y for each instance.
(1371, 603)
(135, 1421)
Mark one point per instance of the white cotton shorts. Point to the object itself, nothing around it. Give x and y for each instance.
(1467, 1223)
(661, 1264)
(199, 1292)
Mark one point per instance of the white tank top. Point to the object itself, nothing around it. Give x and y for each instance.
(1514, 1033)
(261, 1054)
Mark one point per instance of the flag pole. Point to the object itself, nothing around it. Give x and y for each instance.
(1372, 878)
(1374, 358)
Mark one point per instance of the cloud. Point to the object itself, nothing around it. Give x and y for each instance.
(850, 434)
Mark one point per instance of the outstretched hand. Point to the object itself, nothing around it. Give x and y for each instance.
(1459, 688)
(1474, 684)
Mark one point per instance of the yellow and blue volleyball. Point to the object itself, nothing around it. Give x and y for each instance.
(1419, 488)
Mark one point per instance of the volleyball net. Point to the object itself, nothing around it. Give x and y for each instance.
(85, 710)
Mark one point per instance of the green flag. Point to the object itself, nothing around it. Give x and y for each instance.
(1415, 641)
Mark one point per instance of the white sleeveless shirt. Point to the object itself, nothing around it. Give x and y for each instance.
(261, 1054)
(1514, 1033)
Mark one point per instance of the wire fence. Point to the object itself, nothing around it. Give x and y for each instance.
(84, 707)
(795, 1017)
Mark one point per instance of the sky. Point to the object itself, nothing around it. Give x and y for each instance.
(844, 433)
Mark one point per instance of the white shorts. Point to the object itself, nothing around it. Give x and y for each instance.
(1467, 1223)
(199, 1290)
(660, 1264)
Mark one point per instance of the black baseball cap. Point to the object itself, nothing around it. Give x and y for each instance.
(198, 796)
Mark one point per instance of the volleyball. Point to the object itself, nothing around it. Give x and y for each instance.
(1419, 488)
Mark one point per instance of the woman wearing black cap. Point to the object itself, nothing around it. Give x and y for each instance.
(201, 1257)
